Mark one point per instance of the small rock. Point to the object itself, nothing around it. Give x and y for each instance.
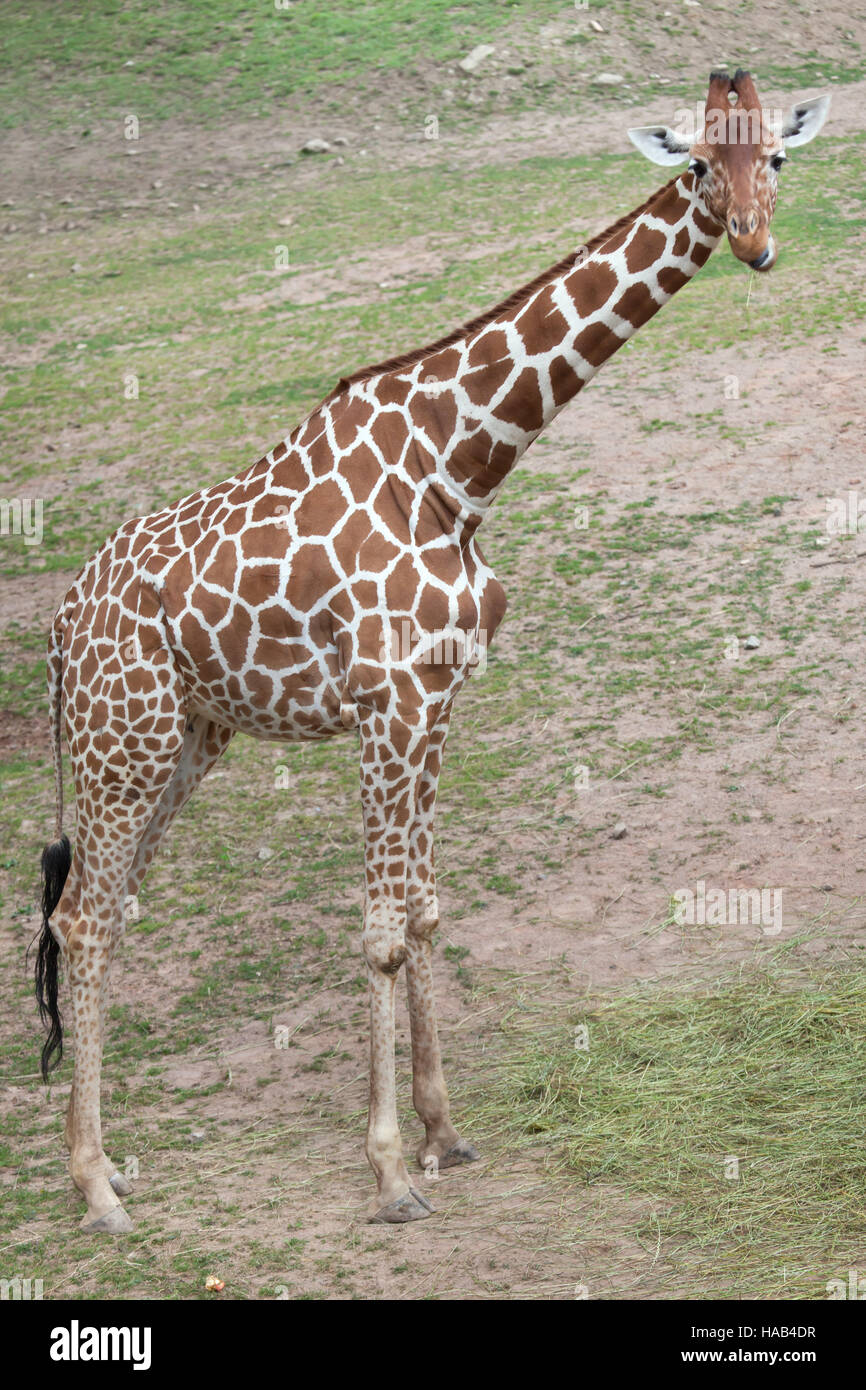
(620, 830)
(197, 1135)
(473, 60)
(607, 79)
(265, 853)
(157, 183)
(594, 24)
(340, 140)
(752, 643)
(316, 147)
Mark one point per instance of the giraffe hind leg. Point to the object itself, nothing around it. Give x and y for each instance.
(89, 921)
(203, 743)
(122, 766)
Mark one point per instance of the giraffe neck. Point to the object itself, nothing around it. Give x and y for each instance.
(479, 401)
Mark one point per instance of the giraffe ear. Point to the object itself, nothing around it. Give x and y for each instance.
(660, 144)
(805, 120)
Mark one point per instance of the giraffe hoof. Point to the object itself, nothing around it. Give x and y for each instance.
(113, 1223)
(121, 1185)
(411, 1207)
(461, 1152)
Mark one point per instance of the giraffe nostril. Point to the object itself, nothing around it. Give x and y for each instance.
(753, 223)
(733, 226)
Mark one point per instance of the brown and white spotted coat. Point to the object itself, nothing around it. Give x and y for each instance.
(336, 584)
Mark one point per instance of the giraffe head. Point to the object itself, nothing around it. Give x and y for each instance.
(736, 159)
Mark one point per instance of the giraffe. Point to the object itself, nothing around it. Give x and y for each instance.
(337, 585)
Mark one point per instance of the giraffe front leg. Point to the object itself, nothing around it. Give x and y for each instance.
(391, 758)
(442, 1146)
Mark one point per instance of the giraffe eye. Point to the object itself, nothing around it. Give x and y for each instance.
(777, 161)
(698, 168)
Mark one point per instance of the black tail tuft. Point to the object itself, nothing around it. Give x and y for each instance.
(56, 862)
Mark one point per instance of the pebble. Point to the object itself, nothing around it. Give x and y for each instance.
(752, 643)
(620, 830)
(316, 147)
(607, 79)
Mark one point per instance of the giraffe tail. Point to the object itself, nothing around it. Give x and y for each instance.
(56, 863)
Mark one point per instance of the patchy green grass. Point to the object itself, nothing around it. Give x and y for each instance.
(168, 57)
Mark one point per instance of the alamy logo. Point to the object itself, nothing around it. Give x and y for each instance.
(20, 1290)
(447, 646)
(732, 907)
(21, 516)
(77, 1343)
(853, 1288)
(846, 516)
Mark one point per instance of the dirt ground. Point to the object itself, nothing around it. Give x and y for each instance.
(288, 1153)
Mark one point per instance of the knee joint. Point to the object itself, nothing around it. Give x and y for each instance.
(384, 946)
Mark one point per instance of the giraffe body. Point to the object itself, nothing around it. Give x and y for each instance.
(336, 585)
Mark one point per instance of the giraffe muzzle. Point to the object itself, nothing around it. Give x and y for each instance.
(758, 252)
(750, 238)
(767, 258)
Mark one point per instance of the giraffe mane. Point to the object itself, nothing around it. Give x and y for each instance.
(513, 301)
